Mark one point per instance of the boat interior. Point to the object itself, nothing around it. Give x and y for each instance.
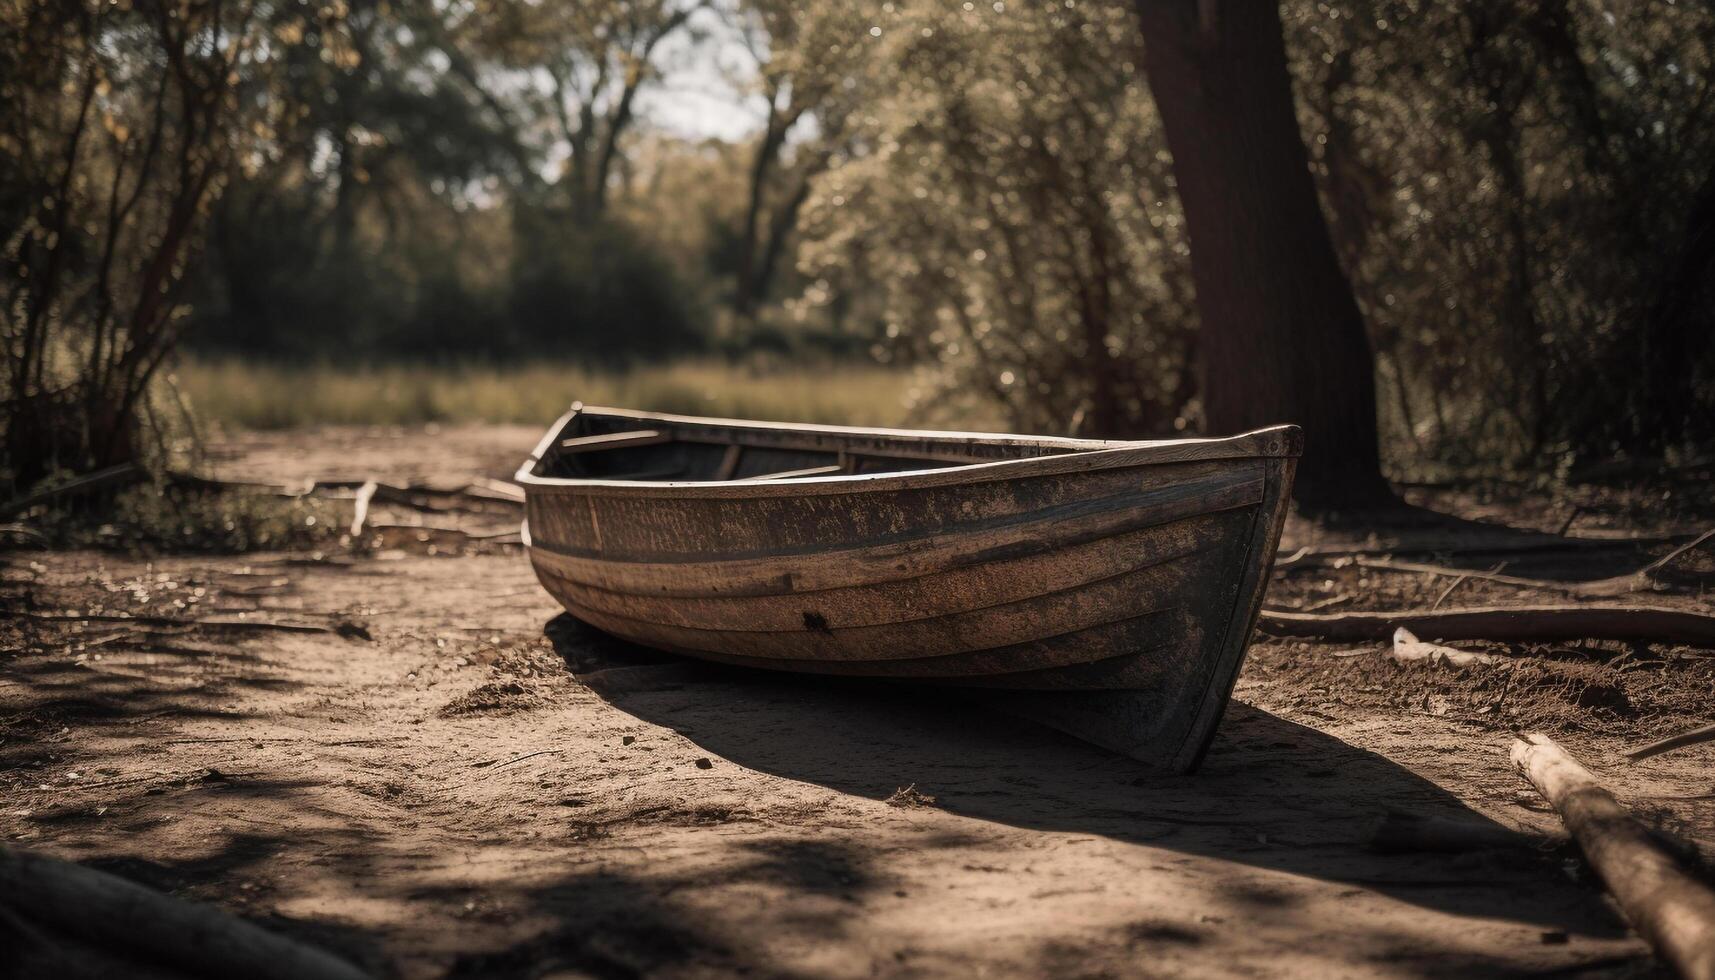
(599, 446)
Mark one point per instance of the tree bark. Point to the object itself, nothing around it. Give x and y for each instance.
(1663, 898)
(1282, 338)
(746, 296)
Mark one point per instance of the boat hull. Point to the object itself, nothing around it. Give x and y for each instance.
(1109, 591)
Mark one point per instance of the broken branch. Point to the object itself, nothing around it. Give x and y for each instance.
(113, 914)
(1667, 905)
(1408, 648)
(1694, 737)
(346, 629)
(1524, 624)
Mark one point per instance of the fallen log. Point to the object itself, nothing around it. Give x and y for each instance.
(1523, 624)
(1666, 904)
(1312, 555)
(1696, 736)
(111, 914)
(343, 628)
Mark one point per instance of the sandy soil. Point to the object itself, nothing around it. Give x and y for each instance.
(470, 786)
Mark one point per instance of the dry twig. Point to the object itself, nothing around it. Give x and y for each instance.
(125, 920)
(1696, 736)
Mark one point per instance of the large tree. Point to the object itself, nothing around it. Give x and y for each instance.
(1282, 338)
(808, 58)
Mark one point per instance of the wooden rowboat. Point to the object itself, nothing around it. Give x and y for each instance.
(1104, 588)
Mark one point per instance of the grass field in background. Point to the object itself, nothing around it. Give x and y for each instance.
(247, 395)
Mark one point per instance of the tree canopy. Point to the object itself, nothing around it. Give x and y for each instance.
(1518, 195)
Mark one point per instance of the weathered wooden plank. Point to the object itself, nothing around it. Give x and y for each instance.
(799, 473)
(1172, 723)
(1013, 537)
(1038, 455)
(1278, 441)
(693, 525)
(729, 462)
(936, 594)
(1173, 586)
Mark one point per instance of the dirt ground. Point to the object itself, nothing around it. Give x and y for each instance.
(452, 781)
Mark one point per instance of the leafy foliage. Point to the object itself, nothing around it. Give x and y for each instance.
(1014, 204)
(123, 123)
(1524, 195)
(1521, 192)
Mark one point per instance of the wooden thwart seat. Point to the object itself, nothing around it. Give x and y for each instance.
(615, 440)
(798, 474)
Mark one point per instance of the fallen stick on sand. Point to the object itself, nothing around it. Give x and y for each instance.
(1524, 624)
(1694, 737)
(343, 628)
(1492, 575)
(1648, 578)
(1668, 906)
(1408, 648)
(117, 917)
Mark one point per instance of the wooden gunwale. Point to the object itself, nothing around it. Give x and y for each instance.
(1069, 456)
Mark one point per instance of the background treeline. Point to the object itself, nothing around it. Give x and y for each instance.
(476, 181)
(1521, 192)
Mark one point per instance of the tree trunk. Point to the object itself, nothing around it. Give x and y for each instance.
(780, 228)
(1678, 331)
(745, 291)
(1282, 338)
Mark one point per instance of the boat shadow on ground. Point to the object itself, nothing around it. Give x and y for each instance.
(1272, 794)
